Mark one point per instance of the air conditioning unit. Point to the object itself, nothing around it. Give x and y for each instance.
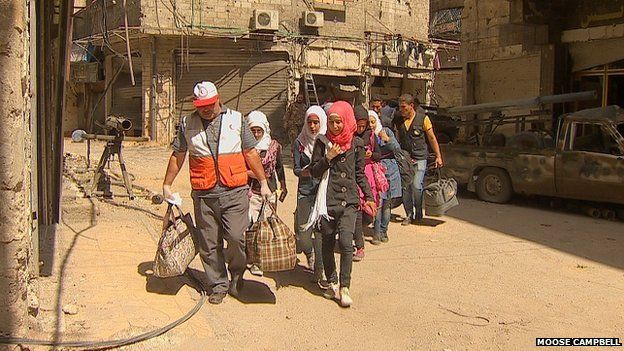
(266, 20)
(314, 19)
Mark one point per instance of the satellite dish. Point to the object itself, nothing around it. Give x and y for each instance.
(78, 135)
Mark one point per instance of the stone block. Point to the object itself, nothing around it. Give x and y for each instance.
(574, 35)
(597, 33)
(615, 31)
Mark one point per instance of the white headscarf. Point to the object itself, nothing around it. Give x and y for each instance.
(306, 137)
(378, 126)
(259, 119)
(326, 106)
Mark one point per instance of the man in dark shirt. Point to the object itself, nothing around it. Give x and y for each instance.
(414, 129)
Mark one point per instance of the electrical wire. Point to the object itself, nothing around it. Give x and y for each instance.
(108, 344)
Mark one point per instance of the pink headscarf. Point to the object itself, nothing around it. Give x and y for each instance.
(345, 111)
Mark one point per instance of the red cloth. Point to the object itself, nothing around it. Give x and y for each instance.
(344, 110)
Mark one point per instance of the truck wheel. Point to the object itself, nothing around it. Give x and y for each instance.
(494, 185)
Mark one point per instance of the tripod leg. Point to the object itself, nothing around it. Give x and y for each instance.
(98, 172)
(126, 177)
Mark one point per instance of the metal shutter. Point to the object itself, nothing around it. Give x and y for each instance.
(247, 76)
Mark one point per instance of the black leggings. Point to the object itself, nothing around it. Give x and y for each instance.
(361, 221)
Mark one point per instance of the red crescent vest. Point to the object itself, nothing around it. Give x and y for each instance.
(225, 165)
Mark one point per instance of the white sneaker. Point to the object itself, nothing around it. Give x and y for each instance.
(332, 292)
(345, 297)
(255, 270)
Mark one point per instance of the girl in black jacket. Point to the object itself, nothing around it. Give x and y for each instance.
(338, 160)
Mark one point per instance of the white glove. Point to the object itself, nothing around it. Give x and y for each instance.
(172, 198)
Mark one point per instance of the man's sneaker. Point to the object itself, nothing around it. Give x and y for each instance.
(216, 298)
(375, 241)
(255, 270)
(332, 292)
(345, 297)
(358, 255)
(384, 239)
(406, 221)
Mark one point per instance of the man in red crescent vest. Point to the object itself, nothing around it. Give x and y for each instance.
(221, 148)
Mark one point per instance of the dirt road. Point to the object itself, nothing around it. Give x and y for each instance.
(485, 277)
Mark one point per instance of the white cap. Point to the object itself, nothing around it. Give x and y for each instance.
(205, 94)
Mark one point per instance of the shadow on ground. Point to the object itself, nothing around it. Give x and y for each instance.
(531, 219)
(162, 286)
(254, 292)
(299, 277)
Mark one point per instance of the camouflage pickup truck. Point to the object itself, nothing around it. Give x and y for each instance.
(585, 161)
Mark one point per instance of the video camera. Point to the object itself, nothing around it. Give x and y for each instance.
(117, 124)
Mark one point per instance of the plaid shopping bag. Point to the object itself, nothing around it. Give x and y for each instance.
(270, 243)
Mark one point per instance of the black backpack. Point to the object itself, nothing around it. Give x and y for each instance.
(406, 168)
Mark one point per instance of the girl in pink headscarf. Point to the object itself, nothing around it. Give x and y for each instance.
(338, 160)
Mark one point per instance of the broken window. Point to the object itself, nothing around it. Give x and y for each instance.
(606, 80)
(446, 23)
(591, 137)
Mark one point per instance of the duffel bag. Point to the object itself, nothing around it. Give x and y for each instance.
(176, 247)
(440, 196)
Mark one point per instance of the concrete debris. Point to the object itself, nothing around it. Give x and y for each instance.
(33, 305)
(70, 309)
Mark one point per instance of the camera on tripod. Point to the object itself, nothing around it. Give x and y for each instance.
(117, 124)
(115, 129)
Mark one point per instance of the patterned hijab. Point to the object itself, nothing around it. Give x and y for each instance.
(345, 111)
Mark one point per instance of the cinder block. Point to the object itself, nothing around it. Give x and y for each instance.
(597, 32)
(575, 35)
(615, 31)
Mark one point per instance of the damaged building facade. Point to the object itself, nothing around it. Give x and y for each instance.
(261, 54)
(445, 32)
(525, 48)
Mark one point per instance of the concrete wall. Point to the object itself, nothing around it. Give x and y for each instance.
(159, 87)
(503, 56)
(448, 87)
(15, 160)
(351, 20)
